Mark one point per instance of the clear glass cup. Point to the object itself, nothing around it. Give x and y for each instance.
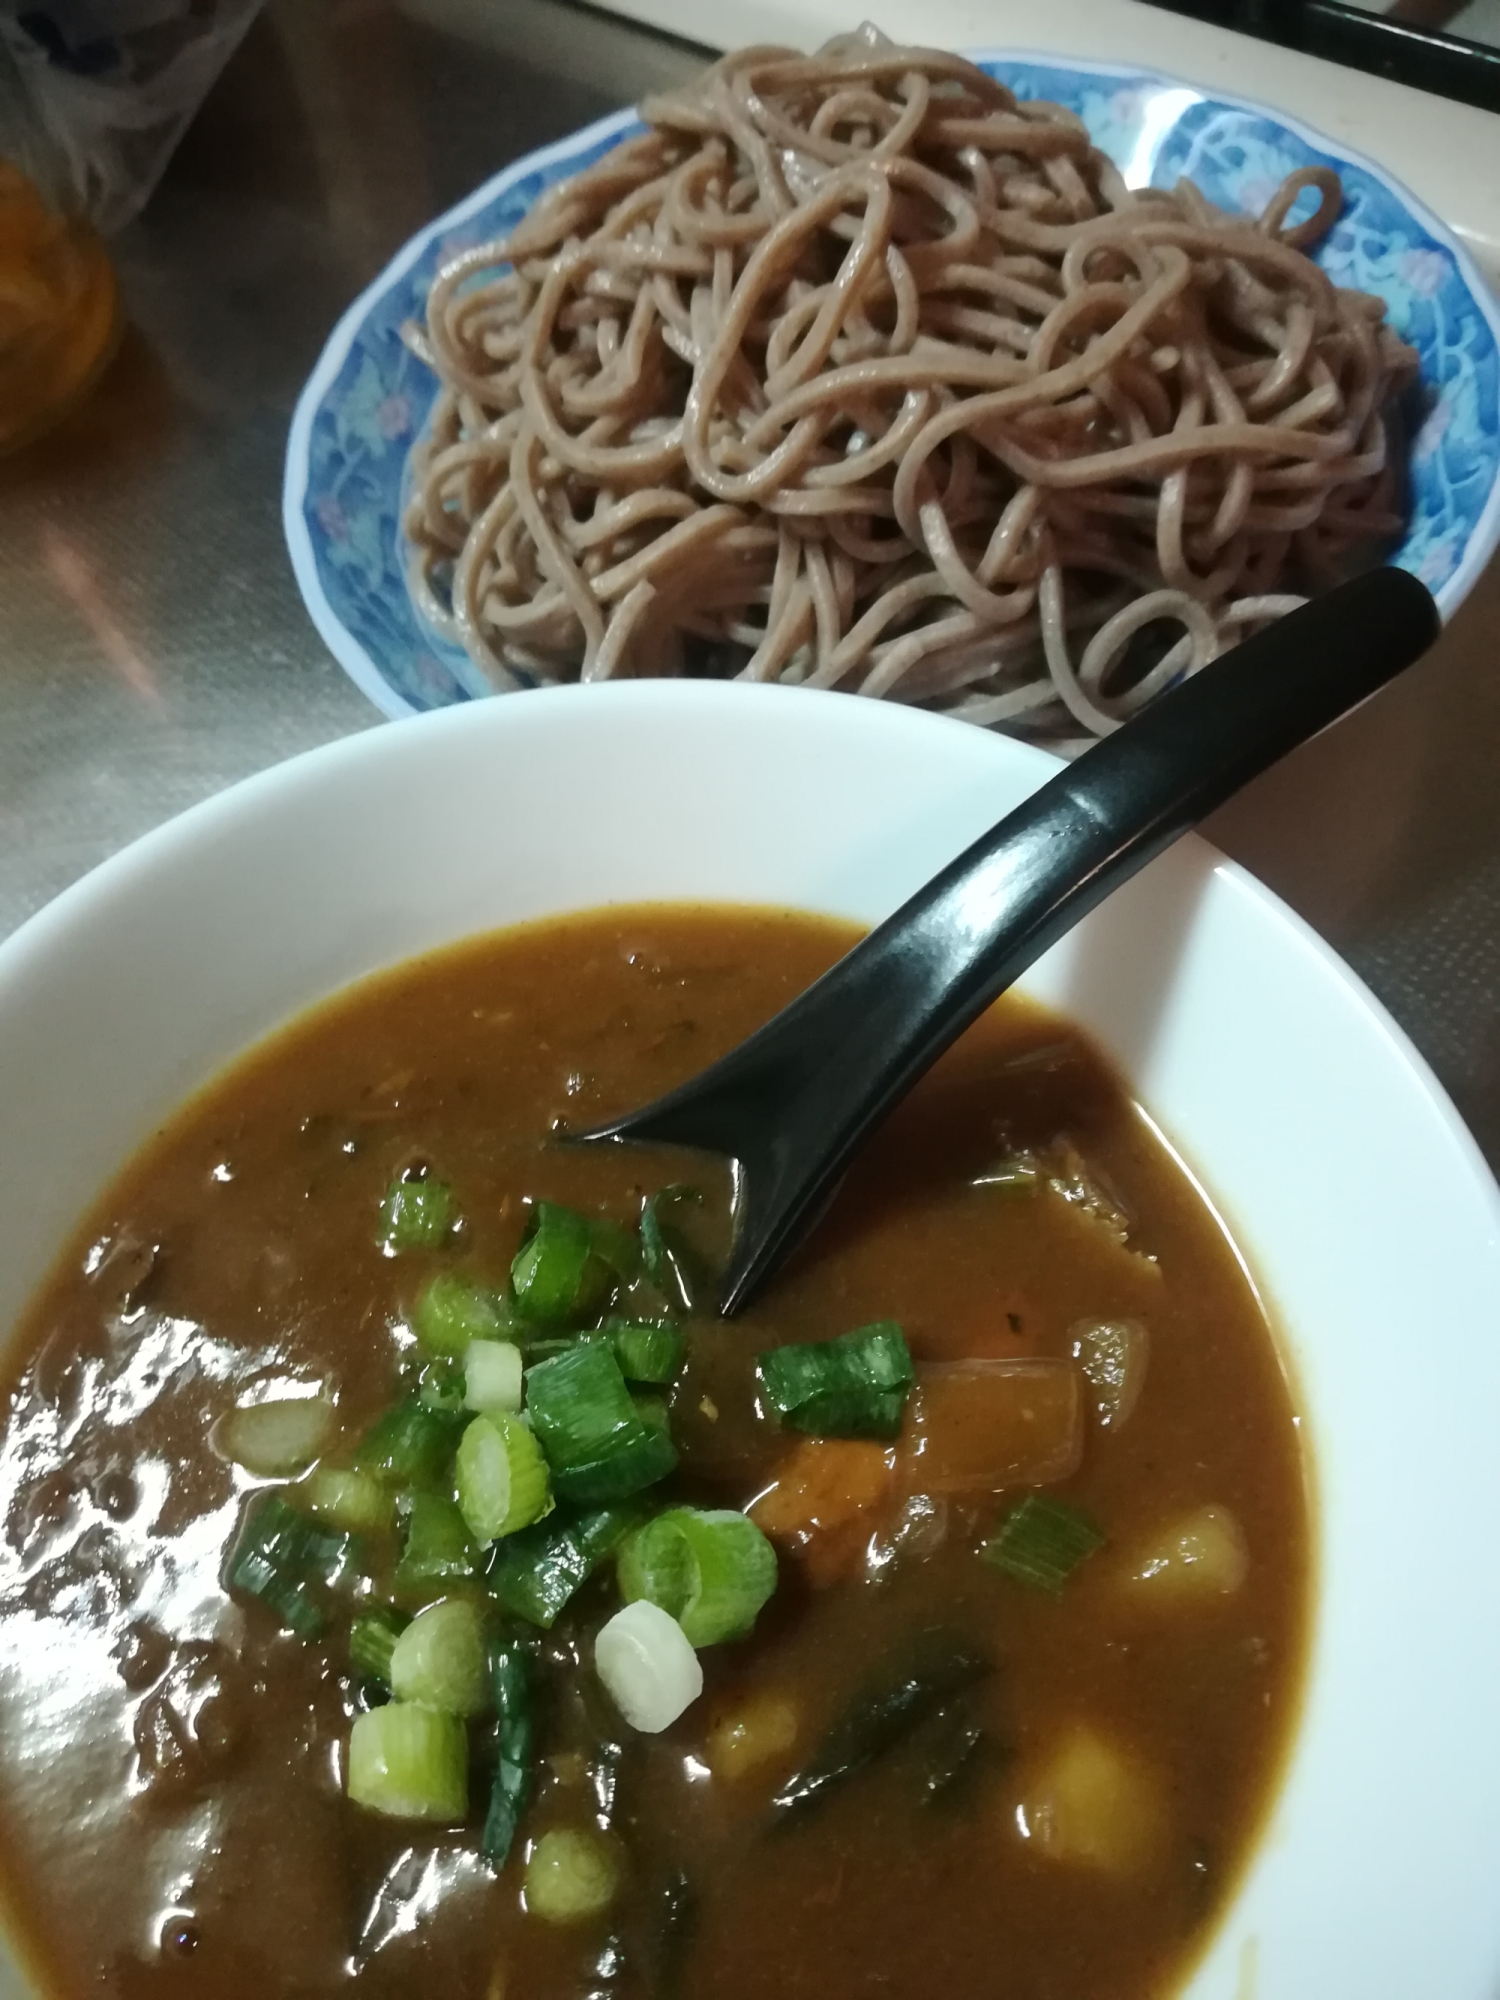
(59, 308)
(59, 304)
(94, 96)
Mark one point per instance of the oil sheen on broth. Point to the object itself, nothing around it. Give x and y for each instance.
(1063, 1816)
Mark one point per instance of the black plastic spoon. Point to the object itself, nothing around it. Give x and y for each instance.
(790, 1106)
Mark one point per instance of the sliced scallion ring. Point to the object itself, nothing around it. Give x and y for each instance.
(410, 1762)
(710, 1569)
(441, 1659)
(501, 1477)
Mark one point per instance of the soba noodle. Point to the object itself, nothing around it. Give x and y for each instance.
(855, 372)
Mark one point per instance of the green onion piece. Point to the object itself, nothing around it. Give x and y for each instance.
(601, 1445)
(492, 1376)
(410, 1444)
(571, 1876)
(353, 1501)
(533, 1574)
(438, 1550)
(335, 1559)
(711, 1569)
(647, 1351)
(440, 1384)
(854, 1386)
(511, 1685)
(372, 1639)
(616, 1246)
(276, 1440)
(556, 1275)
(410, 1762)
(267, 1564)
(1042, 1542)
(647, 1667)
(886, 1713)
(415, 1215)
(563, 1343)
(502, 1477)
(678, 1270)
(441, 1658)
(452, 1311)
(635, 1460)
(281, 1555)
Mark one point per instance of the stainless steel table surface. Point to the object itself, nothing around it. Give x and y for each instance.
(153, 646)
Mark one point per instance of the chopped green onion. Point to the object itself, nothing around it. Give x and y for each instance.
(534, 1573)
(1042, 1542)
(354, 1501)
(886, 1713)
(643, 1657)
(440, 1384)
(452, 1311)
(563, 1343)
(411, 1444)
(601, 1444)
(269, 1565)
(492, 1376)
(438, 1549)
(511, 1685)
(441, 1659)
(281, 1556)
(415, 1215)
(854, 1386)
(502, 1477)
(372, 1640)
(557, 1275)
(275, 1440)
(410, 1762)
(711, 1569)
(647, 1351)
(675, 1266)
(571, 1876)
(616, 1246)
(335, 1559)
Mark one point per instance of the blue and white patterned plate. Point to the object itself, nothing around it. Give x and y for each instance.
(368, 397)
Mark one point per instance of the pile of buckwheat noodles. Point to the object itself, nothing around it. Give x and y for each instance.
(854, 372)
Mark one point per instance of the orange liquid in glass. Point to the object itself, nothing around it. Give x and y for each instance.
(59, 309)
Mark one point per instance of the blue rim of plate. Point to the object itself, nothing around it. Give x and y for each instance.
(348, 558)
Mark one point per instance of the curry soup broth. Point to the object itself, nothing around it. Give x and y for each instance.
(172, 1761)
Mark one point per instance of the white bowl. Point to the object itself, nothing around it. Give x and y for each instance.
(1364, 1208)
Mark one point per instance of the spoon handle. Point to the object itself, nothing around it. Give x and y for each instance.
(794, 1101)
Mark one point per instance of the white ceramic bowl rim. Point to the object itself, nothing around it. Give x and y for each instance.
(1361, 1200)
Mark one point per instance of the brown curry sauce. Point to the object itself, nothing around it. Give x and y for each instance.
(170, 1760)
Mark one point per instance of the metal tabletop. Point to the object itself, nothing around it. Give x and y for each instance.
(153, 647)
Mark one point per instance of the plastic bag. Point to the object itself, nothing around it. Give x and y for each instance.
(110, 87)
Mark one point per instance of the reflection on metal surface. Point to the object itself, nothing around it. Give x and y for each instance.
(71, 571)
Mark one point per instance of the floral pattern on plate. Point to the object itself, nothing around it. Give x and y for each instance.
(369, 396)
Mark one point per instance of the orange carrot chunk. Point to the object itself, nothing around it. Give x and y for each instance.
(820, 1504)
